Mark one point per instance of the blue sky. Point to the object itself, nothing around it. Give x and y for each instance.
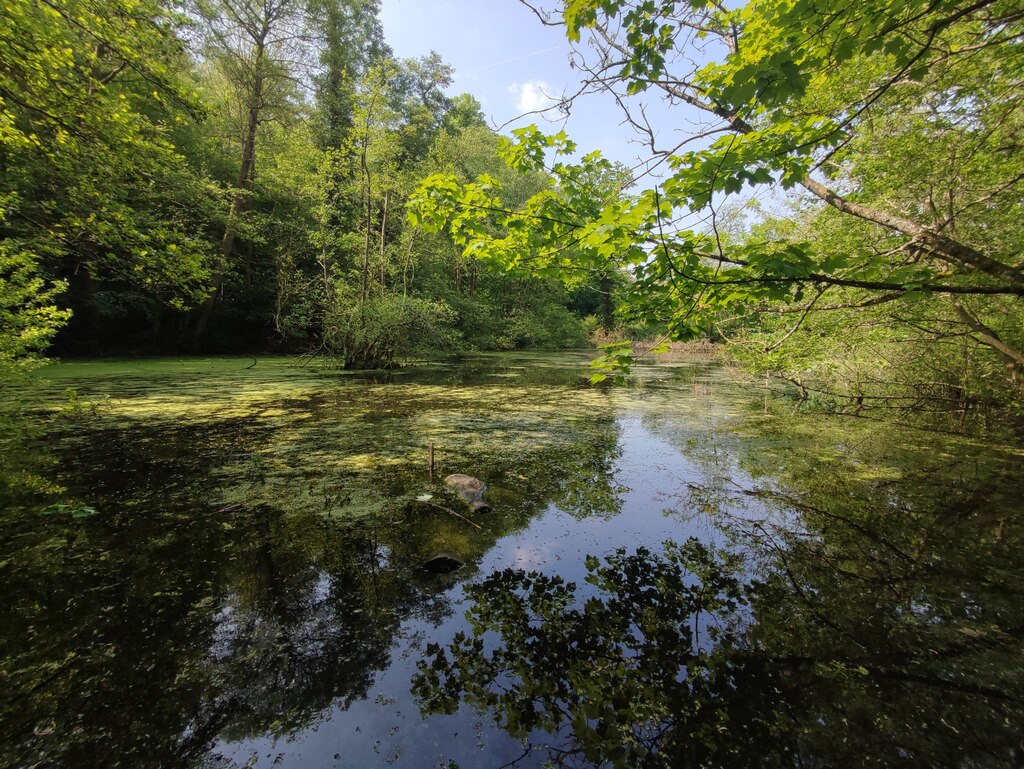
(510, 62)
(505, 57)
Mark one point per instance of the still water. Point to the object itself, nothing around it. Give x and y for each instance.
(210, 563)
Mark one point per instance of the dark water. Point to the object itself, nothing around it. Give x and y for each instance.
(230, 574)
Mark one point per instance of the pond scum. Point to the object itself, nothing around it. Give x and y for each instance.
(228, 551)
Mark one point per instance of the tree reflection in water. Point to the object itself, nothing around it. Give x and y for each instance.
(876, 632)
(218, 600)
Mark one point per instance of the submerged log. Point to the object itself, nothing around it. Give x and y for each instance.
(470, 489)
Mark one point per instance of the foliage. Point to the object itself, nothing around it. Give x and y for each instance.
(28, 316)
(93, 188)
(380, 332)
(168, 183)
(794, 94)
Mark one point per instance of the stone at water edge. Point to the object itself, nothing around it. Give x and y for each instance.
(470, 489)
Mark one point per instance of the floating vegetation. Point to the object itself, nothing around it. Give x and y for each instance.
(252, 543)
(75, 511)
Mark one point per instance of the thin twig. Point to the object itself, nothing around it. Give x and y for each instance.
(457, 515)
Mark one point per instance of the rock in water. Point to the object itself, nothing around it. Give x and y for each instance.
(470, 489)
(442, 564)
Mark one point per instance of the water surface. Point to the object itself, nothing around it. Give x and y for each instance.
(230, 574)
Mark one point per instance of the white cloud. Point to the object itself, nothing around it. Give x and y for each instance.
(532, 96)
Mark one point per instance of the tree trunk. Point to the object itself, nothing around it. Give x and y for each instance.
(1014, 359)
(940, 245)
(227, 245)
(406, 264)
(383, 225)
(367, 191)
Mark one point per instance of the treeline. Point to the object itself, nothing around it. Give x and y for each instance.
(231, 175)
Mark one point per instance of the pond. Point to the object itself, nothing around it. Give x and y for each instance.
(218, 563)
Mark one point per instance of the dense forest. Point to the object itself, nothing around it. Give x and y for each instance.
(233, 176)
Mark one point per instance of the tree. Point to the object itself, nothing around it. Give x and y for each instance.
(353, 41)
(238, 160)
(397, 111)
(255, 46)
(810, 96)
(29, 316)
(95, 196)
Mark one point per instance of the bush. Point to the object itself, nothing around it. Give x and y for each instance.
(378, 332)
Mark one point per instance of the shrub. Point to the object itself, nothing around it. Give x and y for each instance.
(378, 332)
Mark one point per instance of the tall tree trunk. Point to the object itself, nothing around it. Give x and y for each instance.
(238, 199)
(407, 263)
(367, 191)
(383, 225)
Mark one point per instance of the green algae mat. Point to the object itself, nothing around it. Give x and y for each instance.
(218, 563)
